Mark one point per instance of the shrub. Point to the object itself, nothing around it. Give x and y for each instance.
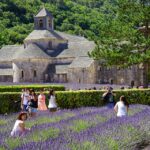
(7, 102)
(17, 88)
(141, 96)
(74, 99)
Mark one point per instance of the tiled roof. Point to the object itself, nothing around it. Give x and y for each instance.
(81, 62)
(43, 34)
(13, 52)
(77, 46)
(76, 49)
(44, 12)
(7, 52)
(30, 52)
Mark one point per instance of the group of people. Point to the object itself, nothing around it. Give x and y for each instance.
(121, 107)
(30, 104)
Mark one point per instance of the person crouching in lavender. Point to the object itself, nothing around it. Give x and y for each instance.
(19, 126)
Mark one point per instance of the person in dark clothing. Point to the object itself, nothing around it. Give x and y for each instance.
(108, 97)
(33, 103)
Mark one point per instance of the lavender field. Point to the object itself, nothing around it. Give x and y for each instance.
(88, 128)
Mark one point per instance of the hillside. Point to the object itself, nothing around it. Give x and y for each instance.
(81, 17)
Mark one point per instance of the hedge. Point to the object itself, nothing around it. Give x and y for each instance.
(74, 99)
(18, 88)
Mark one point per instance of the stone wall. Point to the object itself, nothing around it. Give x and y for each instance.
(6, 78)
(122, 76)
(30, 71)
(45, 21)
(83, 75)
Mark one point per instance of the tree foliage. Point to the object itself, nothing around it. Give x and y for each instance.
(112, 23)
(122, 41)
(81, 17)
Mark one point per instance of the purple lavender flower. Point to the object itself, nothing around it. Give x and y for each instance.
(82, 128)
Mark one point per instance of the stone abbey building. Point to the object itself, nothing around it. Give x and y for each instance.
(51, 56)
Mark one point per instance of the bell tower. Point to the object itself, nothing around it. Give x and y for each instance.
(44, 20)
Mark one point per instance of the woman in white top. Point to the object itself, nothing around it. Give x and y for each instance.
(52, 101)
(19, 127)
(121, 107)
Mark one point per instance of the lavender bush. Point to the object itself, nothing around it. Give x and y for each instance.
(87, 128)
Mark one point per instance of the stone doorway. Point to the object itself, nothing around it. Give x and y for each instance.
(132, 84)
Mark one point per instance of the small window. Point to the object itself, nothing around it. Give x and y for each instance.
(50, 45)
(22, 74)
(49, 23)
(34, 74)
(41, 23)
(118, 68)
(108, 68)
(130, 67)
(111, 81)
(100, 68)
(132, 84)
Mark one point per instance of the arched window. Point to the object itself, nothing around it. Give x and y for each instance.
(99, 68)
(41, 23)
(132, 84)
(118, 68)
(34, 73)
(49, 23)
(111, 81)
(22, 74)
(130, 67)
(50, 45)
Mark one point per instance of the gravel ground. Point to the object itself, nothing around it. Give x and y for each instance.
(73, 86)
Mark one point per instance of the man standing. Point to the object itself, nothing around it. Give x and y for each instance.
(108, 97)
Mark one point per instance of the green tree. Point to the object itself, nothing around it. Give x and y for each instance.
(125, 39)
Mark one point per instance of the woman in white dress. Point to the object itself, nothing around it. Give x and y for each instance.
(52, 101)
(19, 127)
(121, 107)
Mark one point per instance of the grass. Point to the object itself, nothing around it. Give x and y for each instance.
(36, 136)
(80, 125)
(3, 122)
(51, 119)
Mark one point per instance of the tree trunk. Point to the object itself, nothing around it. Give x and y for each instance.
(146, 63)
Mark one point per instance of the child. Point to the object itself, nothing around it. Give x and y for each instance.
(41, 101)
(19, 127)
(52, 101)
